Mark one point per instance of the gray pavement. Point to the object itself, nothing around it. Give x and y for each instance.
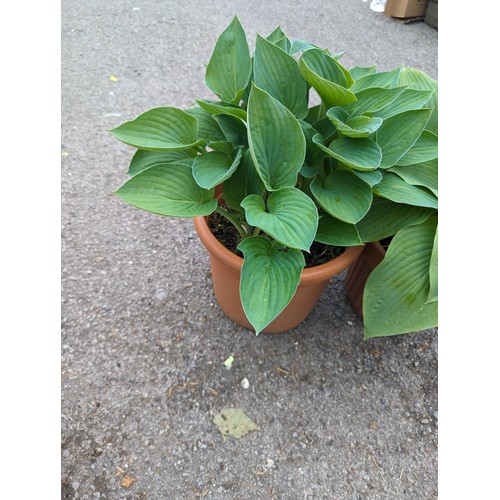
(143, 340)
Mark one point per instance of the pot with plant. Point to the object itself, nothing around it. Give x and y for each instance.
(275, 183)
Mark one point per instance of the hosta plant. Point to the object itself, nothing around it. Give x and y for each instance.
(307, 150)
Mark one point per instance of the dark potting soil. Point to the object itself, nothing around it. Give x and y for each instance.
(228, 235)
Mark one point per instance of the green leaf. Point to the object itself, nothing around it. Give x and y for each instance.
(422, 174)
(327, 76)
(385, 218)
(291, 217)
(372, 177)
(433, 272)
(418, 80)
(168, 189)
(223, 108)
(396, 189)
(301, 46)
(278, 38)
(276, 141)
(269, 279)
(358, 72)
(408, 100)
(425, 149)
(230, 66)
(222, 146)
(160, 129)
(343, 195)
(399, 133)
(277, 73)
(212, 168)
(243, 182)
(372, 100)
(326, 129)
(328, 67)
(314, 154)
(388, 79)
(234, 422)
(315, 114)
(395, 295)
(359, 154)
(144, 159)
(208, 128)
(359, 126)
(234, 129)
(332, 231)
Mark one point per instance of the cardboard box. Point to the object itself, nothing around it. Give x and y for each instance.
(405, 8)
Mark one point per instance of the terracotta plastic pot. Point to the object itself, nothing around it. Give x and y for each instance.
(371, 256)
(226, 271)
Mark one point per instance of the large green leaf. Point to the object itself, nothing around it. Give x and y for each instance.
(223, 108)
(269, 279)
(277, 73)
(243, 182)
(160, 129)
(144, 159)
(396, 189)
(291, 217)
(214, 167)
(385, 218)
(343, 195)
(371, 100)
(425, 149)
(396, 291)
(358, 126)
(276, 140)
(408, 100)
(328, 77)
(358, 72)
(399, 133)
(168, 189)
(230, 66)
(315, 114)
(359, 154)
(314, 154)
(327, 66)
(332, 231)
(326, 129)
(387, 79)
(234, 129)
(299, 45)
(372, 177)
(279, 38)
(433, 272)
(418, 80)
(422, 174)
(208, 128)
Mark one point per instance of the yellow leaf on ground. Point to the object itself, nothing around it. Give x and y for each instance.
(128, 481)
(234, 422)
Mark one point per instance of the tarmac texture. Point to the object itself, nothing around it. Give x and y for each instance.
(143, 340)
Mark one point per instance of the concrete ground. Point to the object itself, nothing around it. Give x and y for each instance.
(143, 340)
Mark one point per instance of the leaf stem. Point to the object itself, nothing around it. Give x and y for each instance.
(233, 221)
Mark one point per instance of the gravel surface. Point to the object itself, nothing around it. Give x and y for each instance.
(143, 340)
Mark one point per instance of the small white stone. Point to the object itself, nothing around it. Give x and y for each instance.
(245, 383)
(270, 462)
